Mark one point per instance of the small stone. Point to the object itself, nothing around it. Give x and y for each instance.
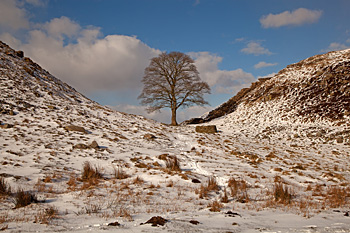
(149, 136)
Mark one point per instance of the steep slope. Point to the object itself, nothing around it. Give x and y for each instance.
(49, 131)
(317, 88)
(309, 98)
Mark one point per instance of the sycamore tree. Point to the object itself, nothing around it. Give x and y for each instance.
(172, 81)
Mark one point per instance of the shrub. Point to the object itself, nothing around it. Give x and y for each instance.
(215, 206)
(23, 199)
(237, 187)
(336, 196)
(45, 216)
(90, 172)
(282, 193)
(5, 189)
(173, 164)
(210, 186)
(119, 173)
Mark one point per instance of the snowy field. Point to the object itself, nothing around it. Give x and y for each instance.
(116, 171)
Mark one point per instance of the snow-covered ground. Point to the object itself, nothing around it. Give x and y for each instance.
(247, 161)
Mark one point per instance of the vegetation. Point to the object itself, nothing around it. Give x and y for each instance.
(172, 81)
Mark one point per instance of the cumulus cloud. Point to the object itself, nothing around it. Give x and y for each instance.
(263, 64)
(255, 48)
(87, 62)
(12, 16)
(297, 17)
(223, 81)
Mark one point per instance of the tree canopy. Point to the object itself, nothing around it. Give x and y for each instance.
(172, 81)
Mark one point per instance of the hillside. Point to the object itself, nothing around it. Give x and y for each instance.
(242, 179)
(317, 88)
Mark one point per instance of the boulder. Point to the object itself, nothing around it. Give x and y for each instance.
(75, 128)
(94, 145)
(206, 129)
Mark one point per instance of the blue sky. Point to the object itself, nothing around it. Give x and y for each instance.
(101, 47)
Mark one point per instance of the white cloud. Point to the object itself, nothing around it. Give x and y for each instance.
(255, 48)
(12, 17)
(59, 27)
(263, 64)
(89, 63)
(335, 47)
(223, 81)
(297, 17)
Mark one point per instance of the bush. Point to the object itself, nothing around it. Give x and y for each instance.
(173, 164)
(282, 193)
(90, 173)
(23, 199)
(5, 189)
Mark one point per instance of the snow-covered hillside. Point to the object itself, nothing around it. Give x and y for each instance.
(230, 181)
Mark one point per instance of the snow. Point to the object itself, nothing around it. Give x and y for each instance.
(257, 148)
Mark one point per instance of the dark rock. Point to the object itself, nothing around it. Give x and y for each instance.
(194, 222)
(113, 224)
(206, 129)
(6, 126)
(196, 181)
(232, 214)
(149, 136)
(75, 128)
(157, 220)
(346, 214)
(19, 54)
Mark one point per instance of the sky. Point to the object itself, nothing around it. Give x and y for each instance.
(101, 47)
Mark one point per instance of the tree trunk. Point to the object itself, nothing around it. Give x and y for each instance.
(173, 117)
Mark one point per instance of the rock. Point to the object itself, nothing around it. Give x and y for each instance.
(149, 136)
(75, 128)
(94, 145)
(232, 214)
(113, 224)
(196, 181)
(157, 220)
(340, 140)
(81, 146)
(6, 126)
(19, 54)
(194, 222)
(206, 129)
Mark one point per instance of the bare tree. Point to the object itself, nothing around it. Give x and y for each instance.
(172, 81)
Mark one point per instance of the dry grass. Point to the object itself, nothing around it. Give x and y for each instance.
(336, 196)
(215, 206)
(238, 189)
(282, 193)
(89, 172)
(5, 188)
(204, 190)
(45, 216)
(172, 163)
(23, 199)
(119, 173)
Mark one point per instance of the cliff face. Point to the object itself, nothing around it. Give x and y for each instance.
(317, 88)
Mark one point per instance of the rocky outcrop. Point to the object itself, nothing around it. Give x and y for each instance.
(206, 129)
